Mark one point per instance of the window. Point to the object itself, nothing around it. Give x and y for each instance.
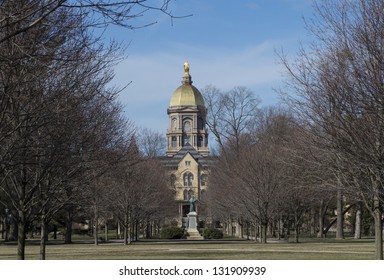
(174, 123)
(187, 163)
(200, 141)
(186, 131)
(174, 143)
(187, 126)
(200, 123)
(188, 178)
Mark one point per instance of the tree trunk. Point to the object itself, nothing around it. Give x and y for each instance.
(125, 234)
(54, 232)
(340, 216)
(256, 228)
(96, 227)
(247, 230)
(264, 230)
(21, 236)
(241, 232)
(7, 222)
(313, 222)
(359, 215)
(297, 228)
(148, 230)
(43, 238)
(95, 234)
(13, 230)
(127, 230)
(378, 216)
(106, 231)
(118, 232)
(2, 228)
(68, 228)
(136, 232)
(321, 219)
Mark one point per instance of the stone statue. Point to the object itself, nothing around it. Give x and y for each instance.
(186, 68)
(192, 204)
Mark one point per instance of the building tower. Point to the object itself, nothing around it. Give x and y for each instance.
(187, 115)
(187, 152)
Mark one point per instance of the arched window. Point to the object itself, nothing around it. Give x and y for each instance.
(188, 178)
(187, 126)
(174, 143)
(200, 141)
(174, 124)
(200, 123)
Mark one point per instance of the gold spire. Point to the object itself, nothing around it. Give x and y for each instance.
(186, 68)
(186, 94)
(187, 79)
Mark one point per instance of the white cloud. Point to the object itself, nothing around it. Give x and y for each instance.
(156, 75)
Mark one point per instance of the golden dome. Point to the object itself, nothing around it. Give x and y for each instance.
(186, 94)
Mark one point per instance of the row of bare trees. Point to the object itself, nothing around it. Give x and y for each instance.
(326, 147)
(338, 84)
(135, 193)
(61, 127)
(276, 177)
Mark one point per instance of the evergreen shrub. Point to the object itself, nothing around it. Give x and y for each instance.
(213, 233)
(171, 233)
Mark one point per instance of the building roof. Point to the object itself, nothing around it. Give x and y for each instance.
(173, 161)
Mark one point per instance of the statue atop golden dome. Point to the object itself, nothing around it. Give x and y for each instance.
(186, 68)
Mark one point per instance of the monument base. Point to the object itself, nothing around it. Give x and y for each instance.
(193, 233)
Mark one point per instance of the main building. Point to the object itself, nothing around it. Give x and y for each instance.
(187, 159)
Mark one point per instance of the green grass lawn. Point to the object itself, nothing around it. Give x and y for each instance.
(311, 249)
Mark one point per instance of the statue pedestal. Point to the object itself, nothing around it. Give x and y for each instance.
(193, 233)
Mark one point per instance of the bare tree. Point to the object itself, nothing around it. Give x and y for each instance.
(151, 143)
(337, 86)
(230, 114)
(24, 15)
(140, 193)
(58, 119)
(253, 181)
(56, 108)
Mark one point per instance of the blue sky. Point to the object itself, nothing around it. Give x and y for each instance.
(227, 43)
